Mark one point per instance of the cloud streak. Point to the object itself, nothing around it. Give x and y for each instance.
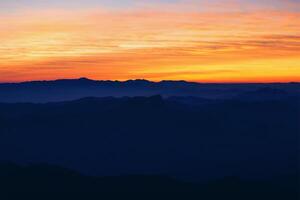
(235, 44)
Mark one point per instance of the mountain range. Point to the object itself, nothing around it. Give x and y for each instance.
(138, 132)
(72, 89)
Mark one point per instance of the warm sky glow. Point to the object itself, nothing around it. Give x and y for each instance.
(206, 41)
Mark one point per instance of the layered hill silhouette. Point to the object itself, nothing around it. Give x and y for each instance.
(142, 136)
(72, 89)
(152, 135)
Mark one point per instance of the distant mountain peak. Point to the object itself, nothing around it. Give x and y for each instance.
(138, 81)
(84, 79)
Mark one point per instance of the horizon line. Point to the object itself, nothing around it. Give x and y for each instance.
(142, 79)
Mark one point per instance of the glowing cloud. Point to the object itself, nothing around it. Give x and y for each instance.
(229, 41)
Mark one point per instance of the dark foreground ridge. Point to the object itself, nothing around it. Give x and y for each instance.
(22, 181)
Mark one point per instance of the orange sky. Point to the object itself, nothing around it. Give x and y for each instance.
(214, 46)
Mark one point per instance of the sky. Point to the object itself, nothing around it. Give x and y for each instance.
(193, 40)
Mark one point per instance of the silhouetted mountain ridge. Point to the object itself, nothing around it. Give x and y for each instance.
(72, 89)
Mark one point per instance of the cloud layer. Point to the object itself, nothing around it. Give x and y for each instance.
(226, 42)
